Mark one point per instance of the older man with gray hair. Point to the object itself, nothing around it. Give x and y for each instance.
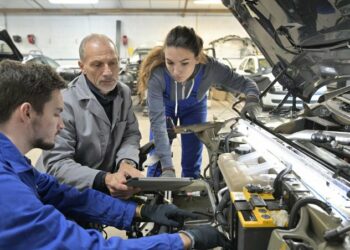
(99, 146)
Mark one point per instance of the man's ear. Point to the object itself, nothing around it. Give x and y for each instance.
(26, 111)
(81, 66)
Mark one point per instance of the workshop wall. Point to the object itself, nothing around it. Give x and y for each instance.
(59, 36)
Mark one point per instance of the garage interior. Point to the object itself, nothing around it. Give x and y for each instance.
(285, 177)
(66, 24)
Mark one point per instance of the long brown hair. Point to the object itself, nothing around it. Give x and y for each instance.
(179, 37)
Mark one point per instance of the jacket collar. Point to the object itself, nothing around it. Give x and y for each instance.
(9, 153)
(83, 91)
(85, 94)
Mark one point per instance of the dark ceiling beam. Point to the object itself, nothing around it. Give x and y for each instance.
(36, 2)
(109, 11)
(185, 9)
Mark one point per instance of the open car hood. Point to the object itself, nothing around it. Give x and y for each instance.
(306, 42)
(8, 49)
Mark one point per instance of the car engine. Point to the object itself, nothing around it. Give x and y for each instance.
(271, 187)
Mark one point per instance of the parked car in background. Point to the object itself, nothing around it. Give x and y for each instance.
(67, 72)
(130, 70)
(259, 69)
(36, 56)
(231, 49)
(8, 50)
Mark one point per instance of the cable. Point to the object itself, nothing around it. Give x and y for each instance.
(205, 171)
(219, 215)
(336, 235)
(235, 104)
(277, 183)
(103, 231)
(303, 202)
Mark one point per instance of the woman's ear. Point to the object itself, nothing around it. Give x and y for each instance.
(197, 59)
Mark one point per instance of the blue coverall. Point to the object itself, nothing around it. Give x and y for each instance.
(34, 207)
(190, 111)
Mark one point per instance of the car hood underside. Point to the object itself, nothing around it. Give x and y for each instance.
(307, 42)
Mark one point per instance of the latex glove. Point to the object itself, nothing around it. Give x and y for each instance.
(166, 214)
(168, 172)
(116, 182)
(251, 107)
(207, 237)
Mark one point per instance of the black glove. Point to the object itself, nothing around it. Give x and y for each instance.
(164, 214)
(207, 237)
(251, 107)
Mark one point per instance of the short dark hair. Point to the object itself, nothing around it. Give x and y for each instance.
(21, 83)
(184, 37)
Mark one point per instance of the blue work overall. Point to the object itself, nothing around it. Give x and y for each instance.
(190, 111)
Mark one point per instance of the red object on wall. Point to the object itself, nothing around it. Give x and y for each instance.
(125, 40)
(31, 38)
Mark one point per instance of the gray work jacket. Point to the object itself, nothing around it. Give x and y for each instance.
(89, 142)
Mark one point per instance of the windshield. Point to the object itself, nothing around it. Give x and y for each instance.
(4, 48)
(264, 66)
(139, 55)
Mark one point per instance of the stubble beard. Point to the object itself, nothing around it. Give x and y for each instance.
(40, 143)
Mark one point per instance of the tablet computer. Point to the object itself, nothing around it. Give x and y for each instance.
(159, 183)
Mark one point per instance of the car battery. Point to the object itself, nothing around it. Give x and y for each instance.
(251, 219)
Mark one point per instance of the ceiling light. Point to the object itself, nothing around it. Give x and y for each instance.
(207, 2)
(73, 1)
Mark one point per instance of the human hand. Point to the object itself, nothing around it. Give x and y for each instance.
(116, 182)
(251, 107)
(207, 237)
(129, 170)
(166, 214)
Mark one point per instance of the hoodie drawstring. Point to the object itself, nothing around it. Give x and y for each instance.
(176, 98)
(188, 95)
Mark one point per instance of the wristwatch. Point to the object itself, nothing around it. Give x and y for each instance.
(129, 162)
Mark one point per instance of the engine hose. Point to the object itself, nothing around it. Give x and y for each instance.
(220, 208)
(212, 165)
(337, 234)
(227, 140)
(205, 171)
(278, 182)
(216, 179)
(303, 202)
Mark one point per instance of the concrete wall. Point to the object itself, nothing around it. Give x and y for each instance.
(59, 36)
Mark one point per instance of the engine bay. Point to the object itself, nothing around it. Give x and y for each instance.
(282, 187)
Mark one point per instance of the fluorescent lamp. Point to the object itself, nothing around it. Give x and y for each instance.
(73, 1)
(207, 2)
